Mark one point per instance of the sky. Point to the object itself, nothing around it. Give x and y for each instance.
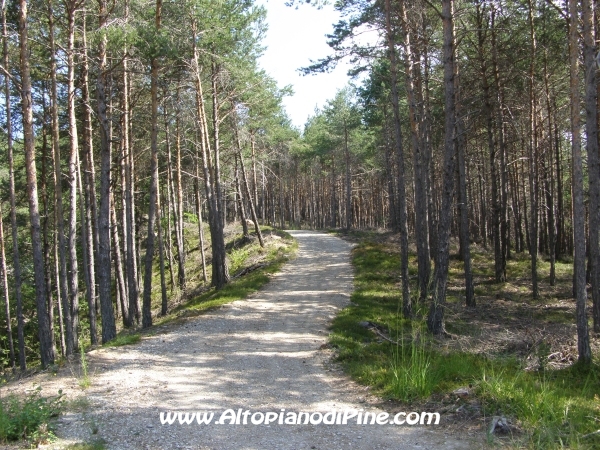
(294, 38)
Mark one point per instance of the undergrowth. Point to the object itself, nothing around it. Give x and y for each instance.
(548, 408)
(28, 418)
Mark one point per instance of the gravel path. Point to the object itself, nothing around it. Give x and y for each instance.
(262, 354)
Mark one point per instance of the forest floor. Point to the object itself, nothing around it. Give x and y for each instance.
(511, 357)
(263, 354)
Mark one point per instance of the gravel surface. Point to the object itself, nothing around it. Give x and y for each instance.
(262, 354)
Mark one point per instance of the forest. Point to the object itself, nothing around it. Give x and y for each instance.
(130, 126)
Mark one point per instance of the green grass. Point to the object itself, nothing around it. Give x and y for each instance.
(28, 418)
(95, 445)
(551, 408)
(241, 287)
(124, 338)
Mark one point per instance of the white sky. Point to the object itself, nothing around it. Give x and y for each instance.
(294, 38)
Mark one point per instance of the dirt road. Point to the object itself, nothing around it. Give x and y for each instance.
(262, 355)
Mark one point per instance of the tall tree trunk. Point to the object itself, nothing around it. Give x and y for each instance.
(504, 228)
(420, 178)
(90, 167)
(583, 339)
(13, 208)
(89, 208)
(216, 122)
(591, 128)
(147, 302)
(47, 353)
(169, 196)
(489, 122)
(435, 321)
(46, 218)
(406, 300)
(532, 148)
(220, 271)
(60, 225)
(460, 143)
(131, 253)
(179, 205)
(549, 180)
(73, 164)
(109, 330)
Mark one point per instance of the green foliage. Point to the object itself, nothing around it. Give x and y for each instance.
(28, 418)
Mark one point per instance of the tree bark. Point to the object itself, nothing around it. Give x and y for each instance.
(419, 159)
(220, 271)
(406, 300)
(147, 302)
(179, 205)
(109, 330)
(47, 353)
(591, 128)
(73, 164)
(532, 148)
(583, 339)
(465, 246)
(58, 200)
(435, 320)
(13, 209)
